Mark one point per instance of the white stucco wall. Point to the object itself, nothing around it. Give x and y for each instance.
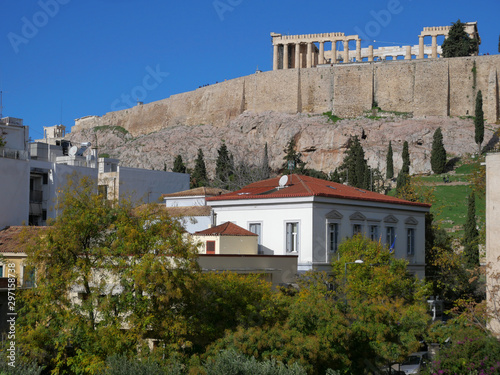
(148, 186)
(14, 192)
(15, 136)
(184, 201)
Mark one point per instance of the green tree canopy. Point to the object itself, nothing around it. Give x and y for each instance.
(403, 179)
(108, 277)
(438, 153)
(479, 121)
(179, 165)
(199, 176)
(459, 43)
(356, 321)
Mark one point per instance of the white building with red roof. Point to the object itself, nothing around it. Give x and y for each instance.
(309, 217)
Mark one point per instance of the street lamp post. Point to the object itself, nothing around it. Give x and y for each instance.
(358, 261)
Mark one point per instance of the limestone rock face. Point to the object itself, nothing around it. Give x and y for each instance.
(321, 141)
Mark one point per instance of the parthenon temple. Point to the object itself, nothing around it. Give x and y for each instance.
(308, 50)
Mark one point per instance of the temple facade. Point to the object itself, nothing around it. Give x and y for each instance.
(310, 50)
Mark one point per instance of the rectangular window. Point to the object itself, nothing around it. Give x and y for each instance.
(390, 238)
(356, 229)
(410, 245)
(333, 237)
(28, 277)
(374, 232)
(210, 247)
(292, 237)
(257, 229)
(1, 270)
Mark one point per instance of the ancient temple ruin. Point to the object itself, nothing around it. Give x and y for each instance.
(309, 50)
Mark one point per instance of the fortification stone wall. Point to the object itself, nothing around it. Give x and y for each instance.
(427, 87)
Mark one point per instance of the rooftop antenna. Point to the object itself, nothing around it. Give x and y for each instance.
(60, 121)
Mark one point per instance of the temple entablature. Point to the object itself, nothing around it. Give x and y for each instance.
(309, 50)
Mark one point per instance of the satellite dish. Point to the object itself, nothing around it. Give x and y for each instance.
(283, 181)
(72, 151)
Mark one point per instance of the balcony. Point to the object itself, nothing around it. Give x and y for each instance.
(13, 154)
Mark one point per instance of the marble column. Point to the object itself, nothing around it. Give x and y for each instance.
(421, 47)
(408, 53)
(309, 55)
(297, 56)
(370, 53)
(321, 53)
(358, 50)
(275, 57)
(334, 51)
(285, 56)
(434, 47)
(346, 51)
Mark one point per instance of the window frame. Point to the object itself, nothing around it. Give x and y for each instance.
(297, 237)
(259, 239)
(410, 241)
(392, 239)
(336, 233)
(212, 243)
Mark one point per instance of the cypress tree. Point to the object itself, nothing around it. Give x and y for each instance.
(406, 158)
(335, 177)
(354, 166)
(389, 163)
(471, 235)
(224, 168)
(266, 171)
(179, 165)
(404, 174)
(438, 153)
(479, 121)
(199, 175)
(459, 43)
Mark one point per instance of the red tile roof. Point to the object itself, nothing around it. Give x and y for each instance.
(203, 191)
(305, 186)
(226, 229)
(13, 240)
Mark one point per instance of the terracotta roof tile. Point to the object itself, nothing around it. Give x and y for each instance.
(11, 240)
(204, 191)
(226, 229)
(305, 186)
(189, 211)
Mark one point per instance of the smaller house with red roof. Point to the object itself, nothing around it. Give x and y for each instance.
(309, 217)
(227, 238)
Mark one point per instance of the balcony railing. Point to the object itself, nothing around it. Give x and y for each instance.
(13, 154)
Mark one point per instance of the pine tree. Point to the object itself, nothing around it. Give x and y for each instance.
(292, 159)
(389, 163)
(471, 234)
(199, 175)
(438, 153)
(266, 170)
(459, 43)
(179, 165)
(224, 168)
(479, 121)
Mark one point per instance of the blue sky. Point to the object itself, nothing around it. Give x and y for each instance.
(65, 59)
